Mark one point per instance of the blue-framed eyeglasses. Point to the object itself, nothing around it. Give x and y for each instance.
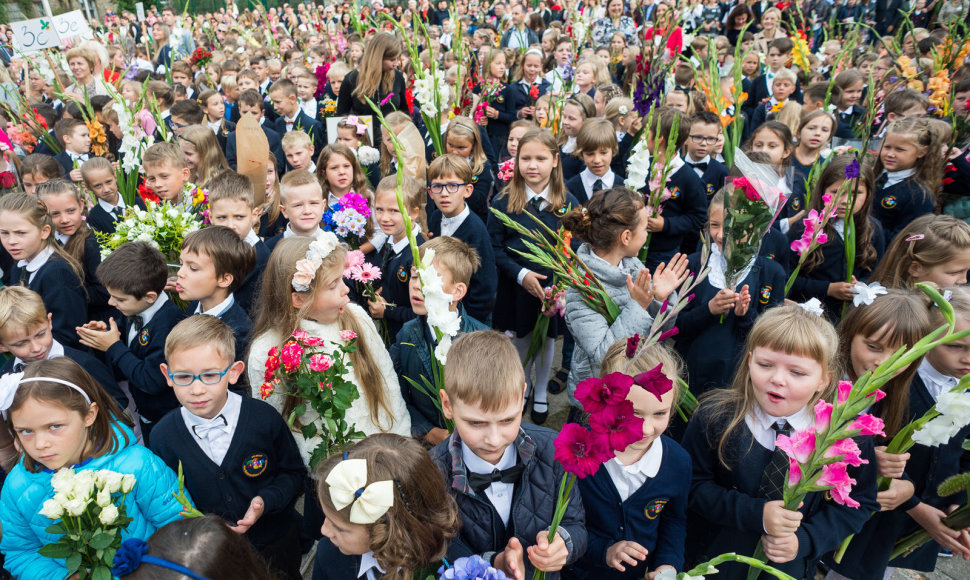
(207, 377)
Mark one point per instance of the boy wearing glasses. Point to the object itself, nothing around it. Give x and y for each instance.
(450, 179)
(705, 128)
(239, 458)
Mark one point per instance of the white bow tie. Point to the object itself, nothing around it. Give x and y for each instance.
(217, 423)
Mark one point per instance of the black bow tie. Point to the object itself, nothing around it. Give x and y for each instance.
(702, 165)
(480, 481)
(137, 322)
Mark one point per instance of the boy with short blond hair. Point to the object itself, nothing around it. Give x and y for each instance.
(454, 218)
(75, 138)
(411, 352)
(504, 519)
(298, 150)
(239, 457)
(166, 172)
(779, 53)
(302, 203)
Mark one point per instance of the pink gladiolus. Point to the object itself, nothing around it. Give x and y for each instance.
(347, 335)
(320, 363)
(146, 121)
(580, 452)
(291, 355)
(848, 449)
(667, 334)
(845, 387)
(821, 239)
(799, 446)
(868, 425)
(823, 415)
(595, 394)
(620, 425)
(836, 477)
(800, 246)
(878, 395)
(654, 381)
(794, 472)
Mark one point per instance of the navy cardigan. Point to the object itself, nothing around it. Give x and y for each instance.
(899, 204)
(63, 295)
(395, 274)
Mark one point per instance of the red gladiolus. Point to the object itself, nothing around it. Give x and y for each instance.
(619, 425)
(654, 381)
(595, 394)
(580, 452)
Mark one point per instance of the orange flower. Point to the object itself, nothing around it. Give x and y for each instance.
(99, 140)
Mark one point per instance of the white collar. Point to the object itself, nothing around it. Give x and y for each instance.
(292, 121)
(230, 411)
(894, 177)
(56, 351)
(39, 260)
(313, 167)
(675, 164)
(589, 179)
(289, 233)
(252, 238)
(799, 421)
(529, 194)
(688, 160)
(215, 126)
(475, 464)
(310, 101)
(332, 198)
(569, 146)
(63, 239)
(219, 309)
(456, 220)
(148, 313)
(648, 464)
(399, 245)
(368, 562)
(935, 381)
(108, 207)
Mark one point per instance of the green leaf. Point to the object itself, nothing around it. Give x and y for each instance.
(73, 562)
(308, 431)
(57, 528)
(101, 573)
(101, 541)
(57, 551)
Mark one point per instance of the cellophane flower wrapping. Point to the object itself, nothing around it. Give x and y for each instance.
(751, 204)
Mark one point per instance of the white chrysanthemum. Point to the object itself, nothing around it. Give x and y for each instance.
(368, 155)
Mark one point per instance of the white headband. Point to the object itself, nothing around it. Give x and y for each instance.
(10, 382)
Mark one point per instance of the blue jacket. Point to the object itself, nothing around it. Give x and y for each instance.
(150, 504)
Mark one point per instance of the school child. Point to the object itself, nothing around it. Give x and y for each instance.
(463, 139)
(636, 504)
(705, 127)
(902, 104)
(679, 99)
(392, 543)
(135, 275)
(604, 93)
(99, 178)
(282, 94)
(510, 518)
(25, 333)
(214, 262)
(166, 172)
(908, 173)
(775, 140)
(393, 304)
(302, 204)
(814, 132)
(340, 173)
(782, 87)
(185, 114)
(791, 362)
(206, 546)
(537, 188)
(850, 112)
(37, 168)
(298, 150)
(516, 131)
(596, 145)
(575, 111)
(621, 113)
(239, 459)
(93, 435)
(75, 138)
(522, 95)
(182, 75)
(411, 353)
(203, 156)
(823, 275)
(453, 218)
(932, 248)
(497, 114)
(66, 206)
(815, 95)
(293, 300)
(40, 264)
(711, 348)
(214, 107)
(272, 222)
(779, 53)
(335, 78)
(683, 212)
(352, 132)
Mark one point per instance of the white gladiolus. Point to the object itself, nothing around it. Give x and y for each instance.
(955, 415)
(638, 166)
(956, 406)
(109, 514)
(52, 509)
(438, 304)
(76, 506)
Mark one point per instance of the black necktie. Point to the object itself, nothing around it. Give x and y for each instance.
(136, 322)
(19, 367)
(773, 479)
(116, 213)
(702, 165)
(480, 481)
(598, 186)
(536, 203)
(881, 181)
(24, 277)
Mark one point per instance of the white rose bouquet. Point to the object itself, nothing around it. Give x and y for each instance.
(162, 225)
(90, 508)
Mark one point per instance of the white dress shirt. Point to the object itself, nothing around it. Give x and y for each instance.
(449, 225)
(252, 238)
(369, 567)
(760, 424)
(500, 494)
(214, 435)
(936, 382)
(309, 107)
(288, 233)
(894, 177)
(147, 315)
(629, 478)
(33, 265)
(110, 208)
(56, 351)
(589, 180)
(219, 309)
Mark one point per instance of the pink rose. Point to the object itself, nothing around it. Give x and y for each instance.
(300, 334)
(306, 270)
(291, 356)
(320, 363)
(347, 335)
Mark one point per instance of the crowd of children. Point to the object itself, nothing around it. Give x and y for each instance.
(145, 363)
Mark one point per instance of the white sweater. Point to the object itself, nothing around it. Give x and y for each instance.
(359, 412)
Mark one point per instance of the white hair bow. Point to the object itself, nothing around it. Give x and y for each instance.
(866, 293)
(814, 306)
(348, 486)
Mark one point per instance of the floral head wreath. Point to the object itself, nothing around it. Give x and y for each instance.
(9, 384)
(349, 487)
(356, 123)
(306, 269)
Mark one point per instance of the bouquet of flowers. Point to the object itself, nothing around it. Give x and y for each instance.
(553, 304)
(200, 57)
(364, 276)
(657, 192)
(348, 219)
(318, 377)
(197, 199)
(470, 568)
(138, 127)
(90, 507)
(491, 89)
(750, 208)
(21, 137)
(160, 225)
(506, 170)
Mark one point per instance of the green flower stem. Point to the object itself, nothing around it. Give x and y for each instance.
(562, 502)
(958, 520)
(708, 567)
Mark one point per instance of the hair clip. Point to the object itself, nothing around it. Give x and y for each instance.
(349, 487)
(915, 238)
(866, 293)
(814, 306)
